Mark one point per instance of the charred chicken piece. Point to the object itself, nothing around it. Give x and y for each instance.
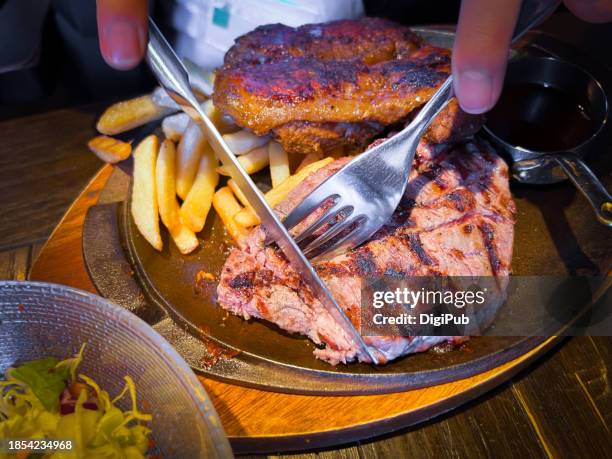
(331, 88)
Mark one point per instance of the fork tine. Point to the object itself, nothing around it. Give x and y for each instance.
(326, 217)
(313, 201)
(331, 233)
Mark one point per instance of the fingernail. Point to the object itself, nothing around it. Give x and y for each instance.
(124, 44)
(475, 91)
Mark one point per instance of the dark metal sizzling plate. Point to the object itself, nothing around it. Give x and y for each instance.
(555, 234)
(169, 280)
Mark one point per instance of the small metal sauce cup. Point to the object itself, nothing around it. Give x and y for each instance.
(539, 167)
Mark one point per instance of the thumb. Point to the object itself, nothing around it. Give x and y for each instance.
(122, 31)
(480, 52)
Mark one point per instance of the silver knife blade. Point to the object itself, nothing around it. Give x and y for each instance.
(173, 77)
(199, 78)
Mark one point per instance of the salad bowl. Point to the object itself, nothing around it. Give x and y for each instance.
(41, 320)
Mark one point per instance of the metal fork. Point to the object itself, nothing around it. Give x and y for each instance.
(366, 191)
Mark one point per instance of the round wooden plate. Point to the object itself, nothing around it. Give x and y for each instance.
(262, 421)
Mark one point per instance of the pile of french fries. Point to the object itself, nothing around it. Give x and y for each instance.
(177, 177)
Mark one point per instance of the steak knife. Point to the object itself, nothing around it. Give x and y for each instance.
(173, 77)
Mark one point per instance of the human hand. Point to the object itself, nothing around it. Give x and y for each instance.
(122, 31)
(482, 42)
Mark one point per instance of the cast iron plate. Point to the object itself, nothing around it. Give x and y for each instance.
(555, 234)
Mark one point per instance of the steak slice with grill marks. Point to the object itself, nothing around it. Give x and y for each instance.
(333, 87)
(456, 219)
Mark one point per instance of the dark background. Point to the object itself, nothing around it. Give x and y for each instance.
(69, 69)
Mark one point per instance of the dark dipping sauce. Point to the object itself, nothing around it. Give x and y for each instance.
(540, 118)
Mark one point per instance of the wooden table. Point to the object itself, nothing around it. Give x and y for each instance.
(560, 407)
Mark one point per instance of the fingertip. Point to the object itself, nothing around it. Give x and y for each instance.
(478, 89)
(480, 52)
(122, 32)
(122, 43)
(473, 89)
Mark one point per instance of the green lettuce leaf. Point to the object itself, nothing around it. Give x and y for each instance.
(45, 380)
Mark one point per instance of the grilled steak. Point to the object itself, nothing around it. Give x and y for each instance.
(332, 88)
(456, 219)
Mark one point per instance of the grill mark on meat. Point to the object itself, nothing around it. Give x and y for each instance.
(243, 280)
(366, 266)
(433, 172)
(362, 264)
(332, 269)
(394, 274)
(401, 215)
(456, 200)
(248, 280)
(415, 244)
(488, 236)
(462, 200)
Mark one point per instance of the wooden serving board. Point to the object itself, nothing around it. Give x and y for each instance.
(261, 421)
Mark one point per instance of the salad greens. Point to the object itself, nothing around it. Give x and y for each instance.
(45, 399)
(46, 382)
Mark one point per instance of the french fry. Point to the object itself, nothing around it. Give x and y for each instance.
(126, 115)
(242, 142)
(238, 192)
(226, 206)
(279, 163)
(174, 126)
(165, 174)
(144, 193)
(189, 152)
(196, 206)
(252, 162)
(110, 150)
(247, 218)
(160, 97)
(185, 239)
(310, 158)
(223, 124)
